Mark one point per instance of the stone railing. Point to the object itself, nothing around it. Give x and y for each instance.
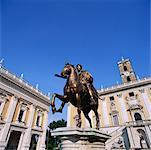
(124, 84)
(131, 123)
(21, 81)
(138, 123)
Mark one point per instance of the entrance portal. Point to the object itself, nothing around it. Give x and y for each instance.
(13, 140)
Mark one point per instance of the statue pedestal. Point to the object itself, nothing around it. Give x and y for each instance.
(81, 138)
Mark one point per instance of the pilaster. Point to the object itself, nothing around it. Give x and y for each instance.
(131, 140)
(8, 120)
(105, 112)
(42, 145)
(123, 108)
(146, 101)
(148, 131)
(68, 115)
(27, 136)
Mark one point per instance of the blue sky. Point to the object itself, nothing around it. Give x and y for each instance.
(39, 36)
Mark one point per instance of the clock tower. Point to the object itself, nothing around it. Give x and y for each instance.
(126, 71)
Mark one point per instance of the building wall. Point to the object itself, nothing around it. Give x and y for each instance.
(123, 105)
(19, 101)
(124, 111)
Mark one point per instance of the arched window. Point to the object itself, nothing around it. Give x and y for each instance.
(137, 117)
(125, 68)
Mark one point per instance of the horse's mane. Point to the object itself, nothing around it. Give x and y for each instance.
(69, 64)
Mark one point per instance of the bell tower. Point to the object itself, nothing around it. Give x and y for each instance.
(126, 71)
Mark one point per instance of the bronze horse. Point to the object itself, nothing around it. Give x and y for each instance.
(77, 94)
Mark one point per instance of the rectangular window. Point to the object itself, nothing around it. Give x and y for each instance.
(0, 108)
(38, 121)
(131, 94)
(111, 98)
(115, 120)
(20, 115)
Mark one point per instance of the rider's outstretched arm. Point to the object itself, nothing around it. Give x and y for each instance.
(60, 76)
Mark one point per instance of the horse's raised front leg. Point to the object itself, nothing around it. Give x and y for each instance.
(62, 98)
(79, 118)
(53, 103)
(61, 107)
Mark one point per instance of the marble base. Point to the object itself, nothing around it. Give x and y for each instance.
(81, 138)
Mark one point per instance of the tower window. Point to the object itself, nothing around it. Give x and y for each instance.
(111, 98)
(128, 79)
(125, 68)
(137, 117)
(131, 94)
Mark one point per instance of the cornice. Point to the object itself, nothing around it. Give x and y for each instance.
(125, 86)
(4, 73)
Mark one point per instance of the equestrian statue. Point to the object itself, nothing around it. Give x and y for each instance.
(79, 91)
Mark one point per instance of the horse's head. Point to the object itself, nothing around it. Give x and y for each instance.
(67, 70)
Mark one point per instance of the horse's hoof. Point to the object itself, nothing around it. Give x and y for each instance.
(53, 110)
(97, 128)
(51, 104)
(59, 110)
(53, 96)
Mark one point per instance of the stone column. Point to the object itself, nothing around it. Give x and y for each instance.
(1, 107)
(123, 108)
(38, 143)
(146, 101)
(8, 120)
(2, 101)
(27, 136)
(130, 138)
(68, 114)
(42, 145)
(20, 141)
(148, 132)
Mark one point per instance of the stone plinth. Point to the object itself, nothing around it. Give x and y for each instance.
(81, 138)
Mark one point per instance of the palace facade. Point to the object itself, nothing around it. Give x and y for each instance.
(23, 114)
(125, 111)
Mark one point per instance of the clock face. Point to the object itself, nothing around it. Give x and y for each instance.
(126, 73)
